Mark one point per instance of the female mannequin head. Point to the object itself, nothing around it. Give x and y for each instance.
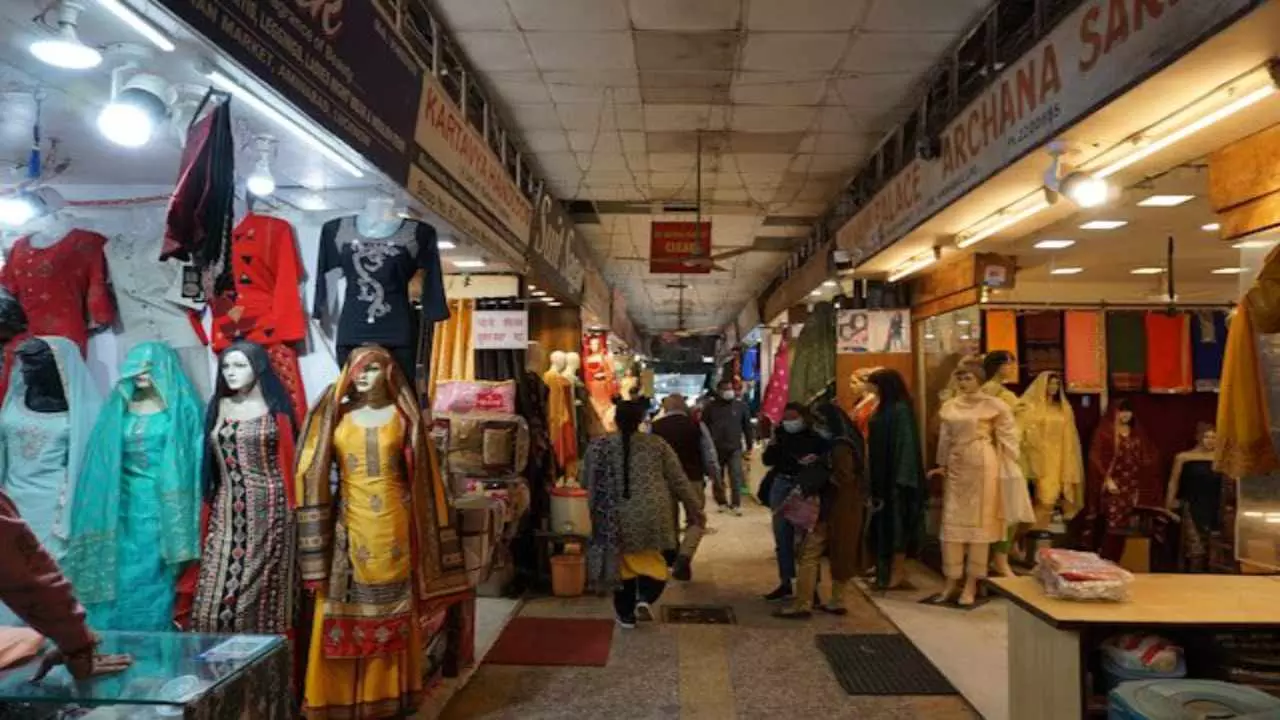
(1000, 365)
(888, 385)
(1053, 388)
(969, 376)
(1124, 413)
(369, 369)
(39, 367)
(1206, 437)
(13, 321)
(244, 372)
(237, 372)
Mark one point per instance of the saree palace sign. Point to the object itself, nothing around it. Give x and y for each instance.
(1093, 55)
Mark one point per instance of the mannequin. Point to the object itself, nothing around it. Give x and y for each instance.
(865, 400)
(247, 580)
(1000, 368)
(572, 366)
(560, 415)
(1051, 449)
(377, 555)
(264, 304)
(136, 519)
(1195, 491)
(45, 425)
(1122, 476)
(392, 267)
(977, 450)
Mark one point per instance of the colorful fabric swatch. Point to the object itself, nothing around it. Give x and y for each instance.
(1084, 341)
(1042, 342)
(1208, 347)
(1168, 352)
(775, 395)
(1127, 350)
(1001, 331)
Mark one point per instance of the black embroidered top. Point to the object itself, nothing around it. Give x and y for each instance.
(375, 308)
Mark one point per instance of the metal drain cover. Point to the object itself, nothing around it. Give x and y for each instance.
(698, 615)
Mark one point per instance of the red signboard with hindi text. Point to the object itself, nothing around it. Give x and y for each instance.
(680, 248)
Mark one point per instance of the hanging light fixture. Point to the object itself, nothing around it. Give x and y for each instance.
(261, 182)
(64, 49)
(16, 211)
(137, 107)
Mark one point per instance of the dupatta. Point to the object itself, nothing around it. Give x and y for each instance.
(83, 404)
(91, 561)
(1035, 409)
(439, 569)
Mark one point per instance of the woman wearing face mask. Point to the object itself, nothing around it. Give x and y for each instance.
(838, 533)
(794, 447)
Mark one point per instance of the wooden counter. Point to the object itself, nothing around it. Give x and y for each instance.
(1050, 640)
(1221, 601)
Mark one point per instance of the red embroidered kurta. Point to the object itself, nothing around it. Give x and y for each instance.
(61, 287)
(265, 304)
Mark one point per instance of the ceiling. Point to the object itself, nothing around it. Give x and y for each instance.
(786, 97)
(1108, 257)
(81, 164)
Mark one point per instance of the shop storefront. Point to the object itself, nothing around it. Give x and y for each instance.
(319, 208)
(1082, 238)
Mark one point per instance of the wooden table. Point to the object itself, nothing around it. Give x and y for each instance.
(1048, 658)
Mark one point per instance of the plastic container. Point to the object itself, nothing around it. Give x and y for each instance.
(1189, 700)
(568, 575)
(570, 513)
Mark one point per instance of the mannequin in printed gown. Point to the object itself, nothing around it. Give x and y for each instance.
(977, 449)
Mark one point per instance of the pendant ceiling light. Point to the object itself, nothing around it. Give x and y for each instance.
(136, 109)
(64, 49)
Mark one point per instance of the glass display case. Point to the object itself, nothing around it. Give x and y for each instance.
(174, 675)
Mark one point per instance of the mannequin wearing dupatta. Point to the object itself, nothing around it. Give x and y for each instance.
(380, 552)
(136, 518)
(45, 425)
(1051, 448)
(1122, 476)
(1245, 443)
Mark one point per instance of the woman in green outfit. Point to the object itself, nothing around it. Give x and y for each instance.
(896, 477)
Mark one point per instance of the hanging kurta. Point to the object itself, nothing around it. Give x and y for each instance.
(1127, 351)
(776, 393)
(1208, 347)
(248, 570)
(978, 445)
(1085, 350)
(61, 285)
(136, 518)
(1051, 447)
(1169, 353)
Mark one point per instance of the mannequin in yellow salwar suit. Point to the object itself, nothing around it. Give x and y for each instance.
(1051, 448)
(377, 553)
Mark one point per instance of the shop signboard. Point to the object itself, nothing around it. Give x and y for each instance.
(1092, 56)
(440, 201)
(556, 252)
(340, 63)
(682, 248)
(446, 136)
(500, 330)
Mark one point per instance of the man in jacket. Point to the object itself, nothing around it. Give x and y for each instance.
(729, 422)
(692, 443)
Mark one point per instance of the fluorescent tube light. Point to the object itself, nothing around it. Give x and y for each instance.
(138, 23)
(914, 265)
(1001, 223)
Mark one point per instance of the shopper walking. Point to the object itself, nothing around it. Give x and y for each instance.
(633, 477)
(794, 448)
(729, 421)
(838, 533)
(692, 444)
(896, 477)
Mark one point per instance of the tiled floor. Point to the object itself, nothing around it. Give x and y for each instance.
(761, 668)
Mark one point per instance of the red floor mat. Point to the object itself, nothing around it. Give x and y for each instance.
(553, 641)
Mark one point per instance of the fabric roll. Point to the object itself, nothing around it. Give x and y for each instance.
(1208, 348)
(1001, 332)
(1084, 342)
(1042, 342)
(1127, 351)
(1168, 352)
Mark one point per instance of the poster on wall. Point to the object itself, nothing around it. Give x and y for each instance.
(873, 331)
(500, 330)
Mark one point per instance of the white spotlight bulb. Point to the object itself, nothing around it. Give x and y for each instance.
(125, 124)
(260, 183)
(1089, 192)
(16, 211)
(66, 51)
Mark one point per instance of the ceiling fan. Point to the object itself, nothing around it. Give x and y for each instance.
(695, 264)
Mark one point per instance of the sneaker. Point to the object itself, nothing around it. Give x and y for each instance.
(782, 592)
(736, 511)
(682, 570)
(644, 612)
(833, 609)
(626, 623)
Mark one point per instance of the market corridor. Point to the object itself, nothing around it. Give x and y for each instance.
(762, 667)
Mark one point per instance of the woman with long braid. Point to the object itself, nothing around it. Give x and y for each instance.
(632, 477)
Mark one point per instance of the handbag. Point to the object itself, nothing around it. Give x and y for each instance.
(766, 486)
(800, 511)
(814, 478)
